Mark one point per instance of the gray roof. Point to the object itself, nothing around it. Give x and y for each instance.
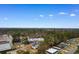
(4, 42)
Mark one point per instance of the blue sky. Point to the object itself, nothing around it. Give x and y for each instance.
(39, 15)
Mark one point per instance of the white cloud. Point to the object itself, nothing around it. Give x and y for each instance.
(62, 13)
(72, 14)
(41, 15)
(5, 18)
(51, 15)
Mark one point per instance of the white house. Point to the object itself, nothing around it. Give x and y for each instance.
(5, 42)
(35, 42)
(53, 50)
(35, 39)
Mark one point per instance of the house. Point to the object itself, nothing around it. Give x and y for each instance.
(35, 39)
(62, 45)
(52, 50)
(35, 42)
(5, 42)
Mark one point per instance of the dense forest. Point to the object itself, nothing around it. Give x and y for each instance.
(52, 36)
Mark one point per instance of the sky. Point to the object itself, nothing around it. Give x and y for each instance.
(39, 16)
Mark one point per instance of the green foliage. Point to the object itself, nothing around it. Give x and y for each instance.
(23, 52)
(42, 48)
(48, 42)
(24, 41)
(77, 52)
(51, 36)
